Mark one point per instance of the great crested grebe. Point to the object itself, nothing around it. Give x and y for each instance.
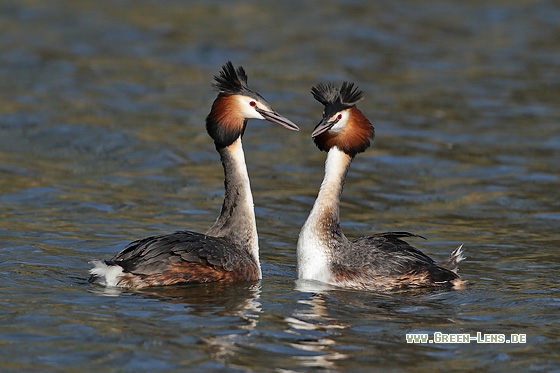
(229, 250)
(382, 261)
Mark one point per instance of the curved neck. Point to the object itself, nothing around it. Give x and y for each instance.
(236, 221)
(323, 223)
(321, 234)
(324, 218)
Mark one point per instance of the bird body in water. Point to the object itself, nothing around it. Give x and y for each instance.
(380, 262)
(229, 250)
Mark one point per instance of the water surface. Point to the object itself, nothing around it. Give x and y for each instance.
(102, 141)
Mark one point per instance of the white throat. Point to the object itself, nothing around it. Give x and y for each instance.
(315, 243)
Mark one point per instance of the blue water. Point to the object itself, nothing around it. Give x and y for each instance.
(102, 141)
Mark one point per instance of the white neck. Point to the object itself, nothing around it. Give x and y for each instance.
(237, 218)
(321, 232)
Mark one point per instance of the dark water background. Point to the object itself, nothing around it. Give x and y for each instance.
(102, 107)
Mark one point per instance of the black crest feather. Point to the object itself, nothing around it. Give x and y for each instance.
(358, 132)
(345, 97)
(231, 81)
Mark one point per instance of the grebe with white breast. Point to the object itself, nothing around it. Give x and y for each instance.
(380, 262)
(229, 250)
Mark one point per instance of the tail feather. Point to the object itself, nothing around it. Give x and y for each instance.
(104, 274)
(452, 262)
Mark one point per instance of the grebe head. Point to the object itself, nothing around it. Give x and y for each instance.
(235, 104)
(342, 125)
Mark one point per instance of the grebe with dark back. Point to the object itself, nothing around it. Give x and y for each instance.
(380, 262)
(229, 250)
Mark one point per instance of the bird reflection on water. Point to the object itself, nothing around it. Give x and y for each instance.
(315, 328)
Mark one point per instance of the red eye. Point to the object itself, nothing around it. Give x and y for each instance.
(253, 103)
(339, 117)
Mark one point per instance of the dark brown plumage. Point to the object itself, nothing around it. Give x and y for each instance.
(183, 257)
